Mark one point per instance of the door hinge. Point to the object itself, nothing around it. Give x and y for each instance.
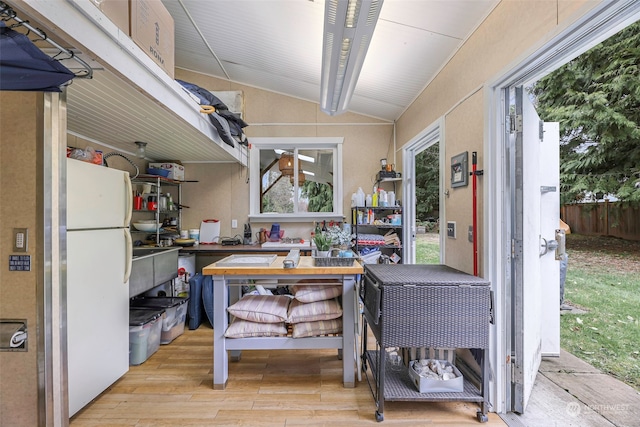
(516, 248)
(515, 123)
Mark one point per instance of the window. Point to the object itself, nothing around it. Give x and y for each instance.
(296, 178)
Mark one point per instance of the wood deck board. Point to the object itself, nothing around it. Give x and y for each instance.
(570, 392)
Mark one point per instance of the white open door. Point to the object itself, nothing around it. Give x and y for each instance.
(549, 223)
(536, 273)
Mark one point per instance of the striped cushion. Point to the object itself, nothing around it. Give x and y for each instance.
(317, 328)
(319, 310)
(243, 329)
(313, 293)
(261, 308)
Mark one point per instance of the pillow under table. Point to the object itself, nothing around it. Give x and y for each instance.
(261, 308)
(319, 310)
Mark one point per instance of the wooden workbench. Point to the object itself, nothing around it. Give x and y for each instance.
(227, 282)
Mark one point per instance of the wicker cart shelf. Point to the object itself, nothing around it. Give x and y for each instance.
(399, 387)
(432, 306)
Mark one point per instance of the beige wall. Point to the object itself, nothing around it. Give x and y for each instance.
(223, 192)
(512, 30)
(462, 128)
(19, 114)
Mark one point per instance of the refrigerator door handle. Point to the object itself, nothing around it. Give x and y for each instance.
(129, 201)
(128, 255)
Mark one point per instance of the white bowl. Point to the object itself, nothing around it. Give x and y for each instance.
(145, 226)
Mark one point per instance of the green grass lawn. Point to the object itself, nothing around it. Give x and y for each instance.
(427, 249)
(603, 278)
(608, 335)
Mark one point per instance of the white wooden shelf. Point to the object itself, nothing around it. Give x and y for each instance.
(150, 105)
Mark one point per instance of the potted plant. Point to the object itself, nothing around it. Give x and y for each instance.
(339, 237)
(323, 243)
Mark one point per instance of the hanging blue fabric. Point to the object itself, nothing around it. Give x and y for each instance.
(24, 67)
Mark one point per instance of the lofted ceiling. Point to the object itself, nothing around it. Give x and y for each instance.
(277, 45)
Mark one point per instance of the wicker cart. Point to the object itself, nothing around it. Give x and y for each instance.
(431, 306)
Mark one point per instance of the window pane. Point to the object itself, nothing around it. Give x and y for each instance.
(317, 190)
(312, 193)
(277, 195)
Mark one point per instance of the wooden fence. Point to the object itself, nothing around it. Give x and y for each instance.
(603, 219)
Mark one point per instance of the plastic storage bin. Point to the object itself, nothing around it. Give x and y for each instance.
(145, 327)
(175, 313)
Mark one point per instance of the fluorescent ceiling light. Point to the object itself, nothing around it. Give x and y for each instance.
(348, 29)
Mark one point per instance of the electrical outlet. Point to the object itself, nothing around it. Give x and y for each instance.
(234, 223)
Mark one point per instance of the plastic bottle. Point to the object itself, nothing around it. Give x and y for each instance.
(368, 200)
(375, 199)
(382, 199)
(391, 198)
(360, 196)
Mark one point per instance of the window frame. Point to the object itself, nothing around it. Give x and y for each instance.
(291, 143)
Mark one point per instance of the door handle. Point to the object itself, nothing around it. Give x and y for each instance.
(557, 245)
(547, 245)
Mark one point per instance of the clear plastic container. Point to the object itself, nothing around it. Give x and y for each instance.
(145, 328)
(174, 317)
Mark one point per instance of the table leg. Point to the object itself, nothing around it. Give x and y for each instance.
(220, 323)
(348, 332)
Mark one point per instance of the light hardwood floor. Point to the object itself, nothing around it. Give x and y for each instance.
(266, 388)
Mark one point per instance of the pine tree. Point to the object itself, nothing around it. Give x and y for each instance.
(596, 100)
(320, 196)
(427, 184)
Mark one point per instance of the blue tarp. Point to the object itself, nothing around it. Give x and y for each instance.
(24, 67)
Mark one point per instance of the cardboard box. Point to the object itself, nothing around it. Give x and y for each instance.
(428, 385)
(152, 29)
(176, 171)
(117, 11)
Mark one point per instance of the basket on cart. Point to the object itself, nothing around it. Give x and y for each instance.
(335, 261)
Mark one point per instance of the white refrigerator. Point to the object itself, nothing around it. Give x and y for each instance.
(98, 267)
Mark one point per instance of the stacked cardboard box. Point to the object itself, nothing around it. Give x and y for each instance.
(149, 25)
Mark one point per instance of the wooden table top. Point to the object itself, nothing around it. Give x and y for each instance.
(305, 266)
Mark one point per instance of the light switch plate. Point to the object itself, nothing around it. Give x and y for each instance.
(20, 240)
(451, 229)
